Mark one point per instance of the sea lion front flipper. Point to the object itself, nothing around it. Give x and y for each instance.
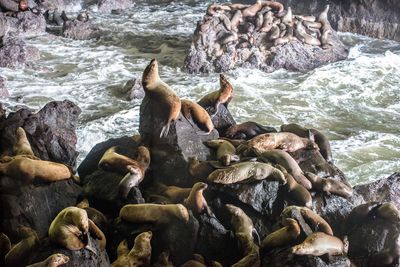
(94, 230)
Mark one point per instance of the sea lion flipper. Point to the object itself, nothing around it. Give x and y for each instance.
(256, 236)
(94, 230)
(165, 130)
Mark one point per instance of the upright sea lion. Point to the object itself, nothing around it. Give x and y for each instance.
(53, 260)
(199, 169)
(303, 36)
(223, 96)
(286, 38)
(360, 213)
(329, 186)
(297, 193)
(250, 252)
(198, 114)
(93, 214)
(19, 254)
(162, 94)
(22, 145)
(252, 10)
(242, 224)
(267, 22)
(283, 236)
(326, 39)
(196, 201)
(139, 255)
(326, 28)
(259, 20)
(274, 5)
(226, 152)
(154, 213)
(318, 244)
(245, 171)
(70, 229)
(247, 130)
(288, 18)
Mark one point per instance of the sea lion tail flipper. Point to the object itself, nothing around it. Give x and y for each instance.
(165, 130)
(256, 236)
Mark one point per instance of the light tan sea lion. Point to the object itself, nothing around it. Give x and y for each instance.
(329, 186)
(274, 5)
(198, 114)
(223, 96)
(162, 94)
(283, 236)
(305, 18)
(235, 21)
(199, 170)
(245, 171)
(54, 260)
(22, 145)
(238, 6)
(226, 152)
(19, 253)
(114, 162)
(312, 24)
(196, 201)
(216, 8)
(252, 10)
(285, 160)
(267, 22)
(70, 229)
(139, 255)
(318, 244)
(288, 18)
(297, 193)
(27, 169)
(303, 36)
(154, 213)
(316, 222)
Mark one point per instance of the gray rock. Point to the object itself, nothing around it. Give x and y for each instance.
(133, 89)
(79, 30)
(27, 24)
(222, 120)
(15, 53)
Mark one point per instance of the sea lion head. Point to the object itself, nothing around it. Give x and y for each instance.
(79, 218)
(57, 259)
(200, 186)
(225, 86)
(23, 5)
(144, 237)
(150, 73)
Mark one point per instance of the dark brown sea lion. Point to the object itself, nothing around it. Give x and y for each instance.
(389, 212)
(19, 253)
(360, 213)
(226, 152)
(242, 224)
(318, 244)
(54, 260)
(199, 169)
(196, 201)
(154, 213)
(283, 236)
(296, 192)
(329, 186)
(252, 10)
(162, 94)
(198, 114)
(247, 130)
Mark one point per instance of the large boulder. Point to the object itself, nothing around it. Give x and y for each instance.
(51, 131)
(27, 24)
(79, 30)
(14, 53)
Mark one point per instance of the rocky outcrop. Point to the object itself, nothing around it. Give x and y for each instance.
(14, 53)
(79, 30)
(27, 24)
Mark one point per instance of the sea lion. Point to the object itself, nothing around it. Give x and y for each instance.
(223, 96)
(162, 94)
(22, 145)
(303, 36)
(329, 186)
(296, 192)
(199, 169)
(139, 255)
(286, 38)
(274, 32)
(196, 201)
(242, 224)
(70, 229)
(235, 142)
(226, 152)
(193, 263)
(198, 114)
(53, 260)
(326, 40)
(245, 171)
(154, 213)
(389, 212)
(19, 254)
(9, 5)
(312, 24)
(83, 16)
(232, 37)
(318, 244)
(130, 180)
(163, 260)
(252, 10)
(274, 5)
(93, 214)
(360, 213)
(267, 22)
(288, 18)
(236, 19)
(247, 130)
(316, 222)
(216, 8)
(238, 6)
(226, 22)
(305, 18)
(176, 194)
(283, 236)
(323, 16)
(27, 169)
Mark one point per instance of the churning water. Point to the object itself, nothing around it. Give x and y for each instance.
(355, 102)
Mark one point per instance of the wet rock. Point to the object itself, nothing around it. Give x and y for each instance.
(27, 24)
(15, 53)
(106, 6)
(79, 30)
(197, 62)
(281, 258)
(34, 205)
(65, 5)
(51, 131)
(133, 89)
(3, 88)
(84, 257)
(383, 190)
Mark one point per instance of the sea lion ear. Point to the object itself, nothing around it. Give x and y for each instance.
(311, 135)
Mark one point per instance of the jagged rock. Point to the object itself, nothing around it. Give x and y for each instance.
(106, 6)
(15, 53)
(34, 205)
(133, 89)
(79, 30)
(51, 131)
(27, 24)
(280, 258)
(3, 88)
(383, 190)
(83, 257)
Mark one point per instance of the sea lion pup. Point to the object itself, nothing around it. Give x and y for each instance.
(252, 10)
(285, 160)
(162, 94)
(316, 222)
(154, 213)
(388, 211)
(296, 192)
(223, 96)
(22, 145)
(246, 171)
(19, 254)
(196, 201)
(318, 244)
(70, 229)
(283, 236)
(27, 169)
(303, 36)
(226, 152)
(139, 255)
(242, 224)
(319, 138)
(199, 170)
(329, 186)
(216, 8)
(247, 130)
(198, 114)
(52, 261)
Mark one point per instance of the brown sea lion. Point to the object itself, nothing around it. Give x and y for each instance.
(235, 21)
(22, 145)
(93, 214)
(223, 96)
(286, 38)
(27, 169)
(216, 8)
(226, 152)
(174, 194)
(195, 112)
(283, 236)
(274, 33)
(360, 213)
(250, 252)
(329, 186)
(70, 229)
(389, 212)
(154, 213)
(139, 255)
(318, 244)
(199, 170)
(303, 36)
(296, 192)
(246, 171)
(252, 10)
(196, 201)
(247, 130)
(326, 39)
(242, 224)
(162, 94)
(19, 253)
(267, 22)
(274, 5)
(54, 260)
(316, 222)
(234, 142)
(285, 160)
(326, 29)
(226, 22)
(259, 20)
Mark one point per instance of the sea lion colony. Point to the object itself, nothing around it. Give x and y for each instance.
(265, 155)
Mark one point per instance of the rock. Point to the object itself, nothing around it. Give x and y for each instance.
(65, 5)
(15, 53)
(51, 131)
(27, 24)
(79, 30)
(34, 205)
(280, 258)
(197, 62)
(83, 257)
(222, 120)
(383, 190)
(133, 89)
(3, 88)
(106, 6)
